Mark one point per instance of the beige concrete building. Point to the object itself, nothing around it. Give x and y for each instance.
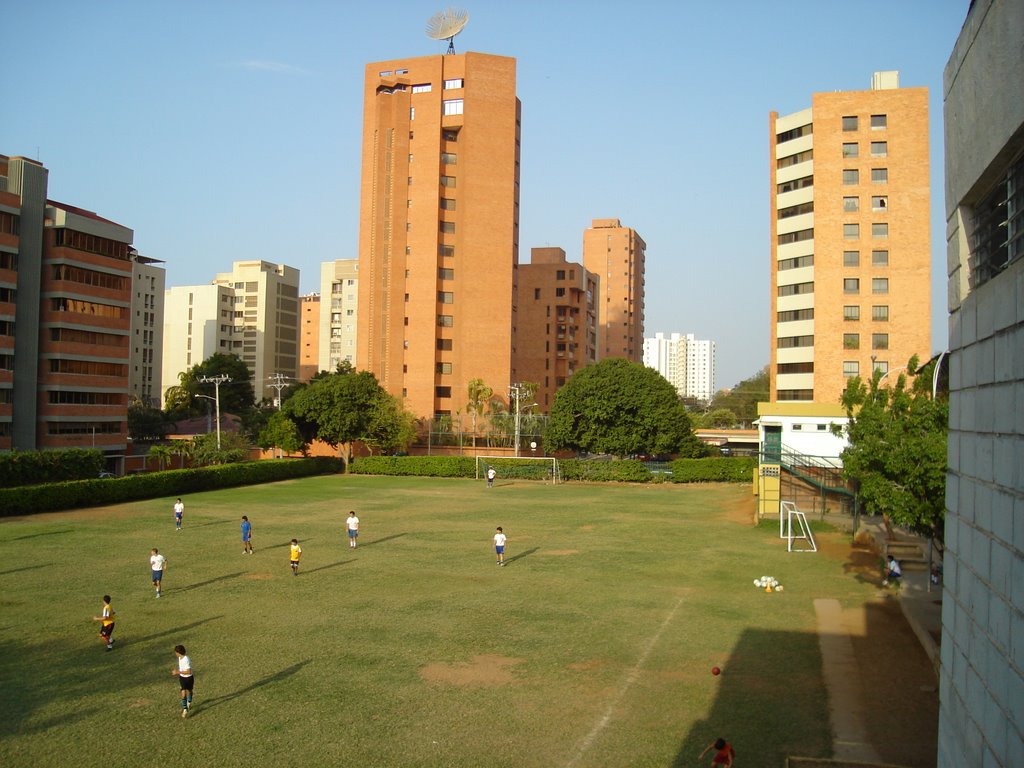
(145, 372)
(266, 318)
(198, 323)
(339, 313)
(438, 227)
(557, 333)
(616, 255)
(850, 240)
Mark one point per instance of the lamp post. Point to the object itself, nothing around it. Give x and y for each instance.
(217, 381)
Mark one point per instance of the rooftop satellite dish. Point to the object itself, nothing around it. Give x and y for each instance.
(445, 25)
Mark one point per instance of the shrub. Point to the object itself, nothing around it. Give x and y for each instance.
(717, 469)
(175, 482)
(34, 467)
(624, 471)
(422, 466)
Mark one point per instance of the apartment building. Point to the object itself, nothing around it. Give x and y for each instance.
(557, 333)
(438, 227)
(616, 255)
(145, 374)
(850, 240)
(339, 313)
(266, 321)
(309, 336)
(198, 323)
(687, 362)
(981, 673)
(65, 303)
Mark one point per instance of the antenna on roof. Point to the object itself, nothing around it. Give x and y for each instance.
(445, 25)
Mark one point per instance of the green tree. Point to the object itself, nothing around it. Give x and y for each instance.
(742, 399)
(236, 396)
(281, 432)
(479, 395)
(234, 447)
(720, 418)
(621, 408)
(897, 451)
(389, 426)
(161, 453)
(145, 423)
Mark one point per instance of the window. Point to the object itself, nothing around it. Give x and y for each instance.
(851, 312)
(880, 312)
(879, 285)
(879, 203)
(790, 342)
(445, 297)
(851, 285)
(793, 133)
(443, 368)
(442, 391)
(796, 289)
(879, 121)
(448, 227)
(851, 258)
(445, 273)
(536, 293)
(851, 368)
(851, 341)
(422, 88)
(791, 395)
(796, 210)
(449, 158)
(880, 258)
(799, 157)
(559, 291)
(412, 113)
(559, 274)
(447, 181)
(794, 368)
(796, 237)
(455, 82)
(447, 204)
(851, 204)
(801, 261)
(793, 315)
(997, 225)
(880, 230)
(452, 106)
(849, 122)
(851, 231)
(879, 149)
(882, 366)
(445, 321)
(879, 175)
(850, 149)
(451, 135)
(879, 340)
(851, 176)
(790, 186)
(444, 345)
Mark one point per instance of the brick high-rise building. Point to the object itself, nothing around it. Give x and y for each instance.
(850, 240)
(65, 306)
(439, 227)
(557, 333)
(616, 255)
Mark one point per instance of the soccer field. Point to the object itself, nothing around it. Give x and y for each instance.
(592, 646)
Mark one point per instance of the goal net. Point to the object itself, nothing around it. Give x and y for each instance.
(519, 468)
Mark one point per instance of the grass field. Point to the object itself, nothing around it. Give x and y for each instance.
(592, 647)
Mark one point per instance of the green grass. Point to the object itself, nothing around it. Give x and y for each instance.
(592, 647)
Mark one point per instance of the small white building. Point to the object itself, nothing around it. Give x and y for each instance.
(801, 430)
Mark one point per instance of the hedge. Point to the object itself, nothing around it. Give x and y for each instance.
(34, 467)
(623, 471)
(97, 492)
(421, 466)
(717, 469)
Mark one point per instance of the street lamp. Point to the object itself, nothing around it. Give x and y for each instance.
(517, 394)
(217, 381)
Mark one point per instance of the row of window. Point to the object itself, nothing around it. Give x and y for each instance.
(76, 336)
(8, 260)
(851, 203)
(88, 308)
(64, 397)
(851, 368)
(851, 285)
(878, 149)
(84, 428)
(879, 258)
(879, 312)
(91, 277)
(88, 368)
(879, 231)
(878, 341)
(448, 107)
(852, 122)
(80, 241)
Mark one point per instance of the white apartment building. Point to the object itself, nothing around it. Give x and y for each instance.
(198, 322)
(339, 312)
(686, 362)
(145, 378)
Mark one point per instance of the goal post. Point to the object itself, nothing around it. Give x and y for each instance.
(544, 468)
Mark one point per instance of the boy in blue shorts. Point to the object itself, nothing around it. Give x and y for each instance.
(246, 536)
(157, 563)
(499, 545)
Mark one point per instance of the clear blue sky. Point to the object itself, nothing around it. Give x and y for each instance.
(231, 130)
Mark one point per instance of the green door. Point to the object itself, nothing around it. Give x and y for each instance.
(772, 447)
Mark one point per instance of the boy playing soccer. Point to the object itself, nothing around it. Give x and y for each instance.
(107, 617)
(185, 678)
(352, 524)
(179, 512)
(246, 536)
(296, 553)
(157, 563)
(499, 545)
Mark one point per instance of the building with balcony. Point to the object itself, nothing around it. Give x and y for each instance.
(147, 331)
(687, 362)
(616, 254)
(339, 313)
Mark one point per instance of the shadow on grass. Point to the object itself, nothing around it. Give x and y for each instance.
(44, 533)
(382, 540)
(285, 544)
(521, 555)
(212, 522)
(174, 631)
(284, 674)
(197, 585)
(325, 567)
(26, 568)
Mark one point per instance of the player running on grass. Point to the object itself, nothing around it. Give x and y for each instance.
(295, 552)
(107, 617)
(157, 563)
(185, 678)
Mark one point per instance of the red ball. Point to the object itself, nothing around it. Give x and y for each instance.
(716, 671)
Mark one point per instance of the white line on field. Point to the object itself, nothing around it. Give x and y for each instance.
(631, 678)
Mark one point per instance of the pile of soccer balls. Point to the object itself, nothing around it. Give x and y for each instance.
(768, 584)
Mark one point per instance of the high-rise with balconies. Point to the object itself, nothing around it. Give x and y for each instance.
(616, 254)
(850, 240)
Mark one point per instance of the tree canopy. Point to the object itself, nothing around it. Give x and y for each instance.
(742, 399)
(621, 408)
(897, 452)
(236, 396)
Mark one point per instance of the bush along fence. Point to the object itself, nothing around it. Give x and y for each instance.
(34, 467)
(97, 492)
(710, 470)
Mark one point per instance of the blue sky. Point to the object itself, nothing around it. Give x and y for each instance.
(231, 130)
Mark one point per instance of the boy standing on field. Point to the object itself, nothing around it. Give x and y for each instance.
(179, 512)
(352, 524)
(246, 536)
(490, 477)
(107, 617)
(157, 563)
(499, 545)
(185, 678)
(296, 553)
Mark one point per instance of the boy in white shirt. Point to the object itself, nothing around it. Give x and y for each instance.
(499, 545)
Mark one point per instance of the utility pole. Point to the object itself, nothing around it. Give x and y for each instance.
(516, 394)
(277, 383)
(217, 381)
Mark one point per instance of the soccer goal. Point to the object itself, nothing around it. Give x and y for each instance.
(520, 468)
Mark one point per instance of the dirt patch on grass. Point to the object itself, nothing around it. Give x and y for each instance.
(859, 559)
(488, 670)
(137, 703)
(587, 666)
(742, 511)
